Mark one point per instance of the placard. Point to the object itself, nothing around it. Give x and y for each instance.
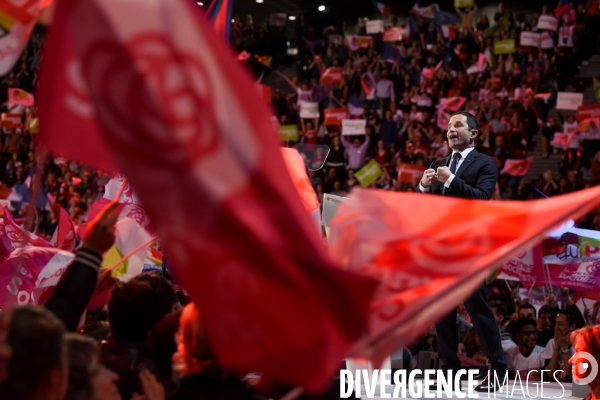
(411, 173)
(530, 39)
(355, 42)
(463, 3)
(288, 133)
(569, 101)
(374, 26)
(332, 76)
(504, 46)
(547, 22)
(309, 109)
(354, 126)
(335, 116)
(546, 40)
(11, 120)
(588, 111)
(368, 174)
(392, 34)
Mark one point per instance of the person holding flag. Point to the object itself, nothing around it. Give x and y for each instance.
(466, 174)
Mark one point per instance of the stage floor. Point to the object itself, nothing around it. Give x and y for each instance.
(550, 391)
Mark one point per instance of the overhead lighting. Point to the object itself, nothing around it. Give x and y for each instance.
(292, 18)
(259, 1)
(321, 8)
(200, 3)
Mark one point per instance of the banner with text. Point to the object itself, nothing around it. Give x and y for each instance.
(569, 101)
(375, 26)
(288, 133)
(335, 116)
(368, 174)
(504, 46)
(411, 173)
(309, 109)
(354, 126)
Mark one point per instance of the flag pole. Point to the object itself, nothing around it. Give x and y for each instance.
(128, 256)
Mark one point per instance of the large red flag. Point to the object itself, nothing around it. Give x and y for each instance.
(178, 113)
(431, 252)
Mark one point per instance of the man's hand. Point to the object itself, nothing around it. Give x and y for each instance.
(428, 178)
(100, 233)
(443, 173)
(551, 300)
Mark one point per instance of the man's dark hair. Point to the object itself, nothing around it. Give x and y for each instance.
(35, 337)
(522, 322)
(500, 307)
(572, 318)
(136, 306)
(471, 120)
(546, 309)
(528, 306)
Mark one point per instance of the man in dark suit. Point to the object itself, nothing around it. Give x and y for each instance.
(467, 174)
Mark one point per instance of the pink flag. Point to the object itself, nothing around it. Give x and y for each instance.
(164, 88)
(427, 259)
(452, 103)
(19, 96)
(19, 236)
(527, 266)
(30, 274)
(482, 62)
(64, 235)
(517, 167)
(443, 119)
(430, 72)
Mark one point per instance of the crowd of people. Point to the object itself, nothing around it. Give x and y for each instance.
(149, 342)
(398, 87)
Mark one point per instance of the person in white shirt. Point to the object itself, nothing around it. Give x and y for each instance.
(527, 356)
(559, 349)
(385, 91)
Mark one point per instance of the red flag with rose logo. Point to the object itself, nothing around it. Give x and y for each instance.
(428, 258)
(153, 88)
(517, 167)
(19, 236)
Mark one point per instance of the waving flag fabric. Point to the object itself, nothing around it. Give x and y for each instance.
(17, 20)
(30, 274)
(19, 96)
(64, 234)
(428, 258)
(163, 89)
(19, 236)
(517, 167)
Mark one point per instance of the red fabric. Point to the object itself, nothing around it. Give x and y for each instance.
(228, 216)
(65, 232)
(428, 256)
(19, 236)
(297, 170)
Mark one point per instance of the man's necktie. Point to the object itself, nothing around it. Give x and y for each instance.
(454, 163)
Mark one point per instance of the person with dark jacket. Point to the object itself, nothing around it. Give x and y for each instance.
(74, 290)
